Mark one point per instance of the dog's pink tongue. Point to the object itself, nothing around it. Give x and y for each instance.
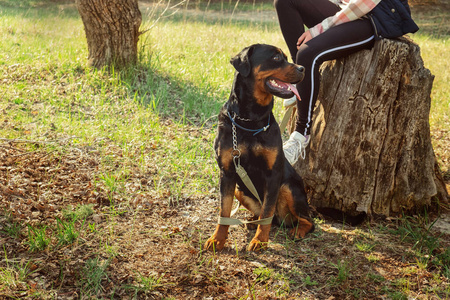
(294, 89)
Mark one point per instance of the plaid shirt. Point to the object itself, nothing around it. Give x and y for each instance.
(351, 10)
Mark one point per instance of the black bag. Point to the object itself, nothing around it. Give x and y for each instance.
(392, 19)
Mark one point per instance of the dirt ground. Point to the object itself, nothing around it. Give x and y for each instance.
(154, 251)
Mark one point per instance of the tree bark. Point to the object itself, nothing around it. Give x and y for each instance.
(371, 148)
(112, 31)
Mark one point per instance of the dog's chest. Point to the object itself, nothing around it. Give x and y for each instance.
(267, 155)
(250, 156)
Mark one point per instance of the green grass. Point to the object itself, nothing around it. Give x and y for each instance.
(10, 226)
(432, 50)
(426, 247)
(145, 285)
(81, 212)
(38, 238)
(94, 273)
(343, 272)
(15, 274)
(66, 232)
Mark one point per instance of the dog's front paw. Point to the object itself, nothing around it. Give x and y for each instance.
(217, 241)
(256, 245)
(214, 245)
(261, 238)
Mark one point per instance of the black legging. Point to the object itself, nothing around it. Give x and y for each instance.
(336, 42)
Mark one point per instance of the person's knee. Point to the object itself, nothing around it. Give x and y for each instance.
(281, 5)
(277, 4)
(305, 55)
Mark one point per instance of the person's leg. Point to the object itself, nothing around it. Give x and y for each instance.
(293, 15)
(334, 43)
(337, 42)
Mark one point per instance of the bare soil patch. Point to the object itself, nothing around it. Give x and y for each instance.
(141, 236)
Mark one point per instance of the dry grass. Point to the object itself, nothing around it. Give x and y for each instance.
(139, 246)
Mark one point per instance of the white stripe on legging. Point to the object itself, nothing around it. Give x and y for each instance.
(308, 124)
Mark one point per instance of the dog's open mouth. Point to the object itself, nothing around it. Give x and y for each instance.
(282, 89)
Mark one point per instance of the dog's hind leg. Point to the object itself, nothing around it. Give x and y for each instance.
(292, 209)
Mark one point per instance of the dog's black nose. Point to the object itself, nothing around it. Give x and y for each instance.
(301, 69)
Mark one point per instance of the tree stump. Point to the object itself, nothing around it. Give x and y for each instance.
(112, 31)
(371, 148)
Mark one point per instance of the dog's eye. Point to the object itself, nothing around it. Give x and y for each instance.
(277, 57)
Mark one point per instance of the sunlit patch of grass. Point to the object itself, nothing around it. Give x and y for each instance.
(38, 238)
(364, 247)
(15, 274)
(145, 284)
(81, 212)
(272, 279)
(66, 232)
(372, 257)
(431, 51)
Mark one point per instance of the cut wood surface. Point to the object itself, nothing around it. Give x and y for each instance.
(371, 148)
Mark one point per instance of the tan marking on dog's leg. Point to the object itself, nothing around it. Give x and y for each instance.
(248, 202)
(261, 238)
(226, 157)
(283, 212)
(217, 241)
(219, 237)
(303, 226)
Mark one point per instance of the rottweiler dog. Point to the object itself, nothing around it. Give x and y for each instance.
(249, 136)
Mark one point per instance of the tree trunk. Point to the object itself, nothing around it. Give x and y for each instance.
(371, 148)
(112, 31)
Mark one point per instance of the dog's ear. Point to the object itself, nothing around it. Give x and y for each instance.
(241, 62)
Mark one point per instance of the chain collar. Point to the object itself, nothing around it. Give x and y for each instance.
(236, 154)
(255, 131)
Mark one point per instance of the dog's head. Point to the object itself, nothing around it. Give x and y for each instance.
(267, 68)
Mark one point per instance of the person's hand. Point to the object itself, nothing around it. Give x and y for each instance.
(305, 37)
